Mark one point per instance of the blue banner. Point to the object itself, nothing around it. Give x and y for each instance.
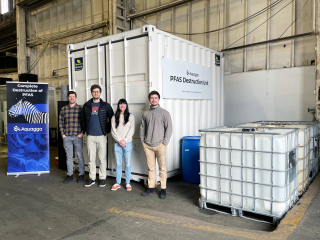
(28, 128)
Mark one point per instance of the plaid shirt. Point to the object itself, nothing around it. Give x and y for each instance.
(69, 120)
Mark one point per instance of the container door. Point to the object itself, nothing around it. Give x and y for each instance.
(127, 77)
(87, 67)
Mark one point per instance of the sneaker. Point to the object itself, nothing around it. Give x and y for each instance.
(146, 193)
(90, 183)
(80, 179)
(102, 183)
(115, 187)
(68, 179)
(128, 186)
(163, 194)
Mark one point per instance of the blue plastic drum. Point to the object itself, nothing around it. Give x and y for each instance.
(190, 159)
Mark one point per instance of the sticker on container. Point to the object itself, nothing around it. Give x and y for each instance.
(78, 64)
(217, 60)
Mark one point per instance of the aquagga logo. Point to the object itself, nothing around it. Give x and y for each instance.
(192, 74)
(17, 129)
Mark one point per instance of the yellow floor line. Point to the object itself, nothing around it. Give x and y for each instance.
(199, 227)
(139, 215)
(294, 216)
(284, 229)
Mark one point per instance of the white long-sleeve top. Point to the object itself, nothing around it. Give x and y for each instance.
(123, 131)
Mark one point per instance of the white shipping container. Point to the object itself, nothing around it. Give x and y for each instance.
(249, 171)
(129, 65)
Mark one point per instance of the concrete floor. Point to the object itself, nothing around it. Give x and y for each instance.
(33, 207)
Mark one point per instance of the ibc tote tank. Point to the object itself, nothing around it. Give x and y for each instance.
(130, 65)
(250, 172)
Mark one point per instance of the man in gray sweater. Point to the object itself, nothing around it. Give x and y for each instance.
(155, 133)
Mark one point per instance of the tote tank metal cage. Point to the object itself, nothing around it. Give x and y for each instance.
(314, 142)
(304, 151)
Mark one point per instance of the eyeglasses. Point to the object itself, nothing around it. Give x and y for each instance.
(95, 91)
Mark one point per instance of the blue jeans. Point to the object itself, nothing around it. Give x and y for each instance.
(68, 143)
(126, 152)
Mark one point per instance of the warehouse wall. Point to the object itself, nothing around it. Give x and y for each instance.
(195, 16)
(62, 17)
(264, 82)
(205, 15)
(13, 75)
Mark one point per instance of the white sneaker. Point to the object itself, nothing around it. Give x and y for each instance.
(115, 187)
(128, 186)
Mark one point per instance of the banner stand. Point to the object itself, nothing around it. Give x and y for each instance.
(27, 128)
(26, 173)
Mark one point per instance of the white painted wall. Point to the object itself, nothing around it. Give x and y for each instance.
(282, 94)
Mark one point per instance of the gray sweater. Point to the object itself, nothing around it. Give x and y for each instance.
(156, 127)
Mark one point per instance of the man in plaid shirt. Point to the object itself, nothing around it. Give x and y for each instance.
(70, 128)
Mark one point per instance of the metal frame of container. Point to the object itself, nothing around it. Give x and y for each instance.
(314, 143)
(129, 65)
(241, 211)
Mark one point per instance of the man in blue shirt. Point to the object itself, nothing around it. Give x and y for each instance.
(96, 122)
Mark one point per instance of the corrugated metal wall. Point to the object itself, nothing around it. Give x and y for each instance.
(66, 16)
(205, 15)
(195, 16)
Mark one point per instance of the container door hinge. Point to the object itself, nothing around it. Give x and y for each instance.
(150, 38)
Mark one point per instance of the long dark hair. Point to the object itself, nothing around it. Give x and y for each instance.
(126, 113)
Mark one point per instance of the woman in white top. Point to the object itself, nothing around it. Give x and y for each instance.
(122, 131)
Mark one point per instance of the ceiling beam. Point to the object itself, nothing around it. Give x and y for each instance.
(309, 34)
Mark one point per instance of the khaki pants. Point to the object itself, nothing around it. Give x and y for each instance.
(97, 145)
(152, 153)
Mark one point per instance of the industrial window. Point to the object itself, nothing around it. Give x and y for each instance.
(4, 6)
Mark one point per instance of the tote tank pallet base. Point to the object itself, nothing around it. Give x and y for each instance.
(236, 212)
